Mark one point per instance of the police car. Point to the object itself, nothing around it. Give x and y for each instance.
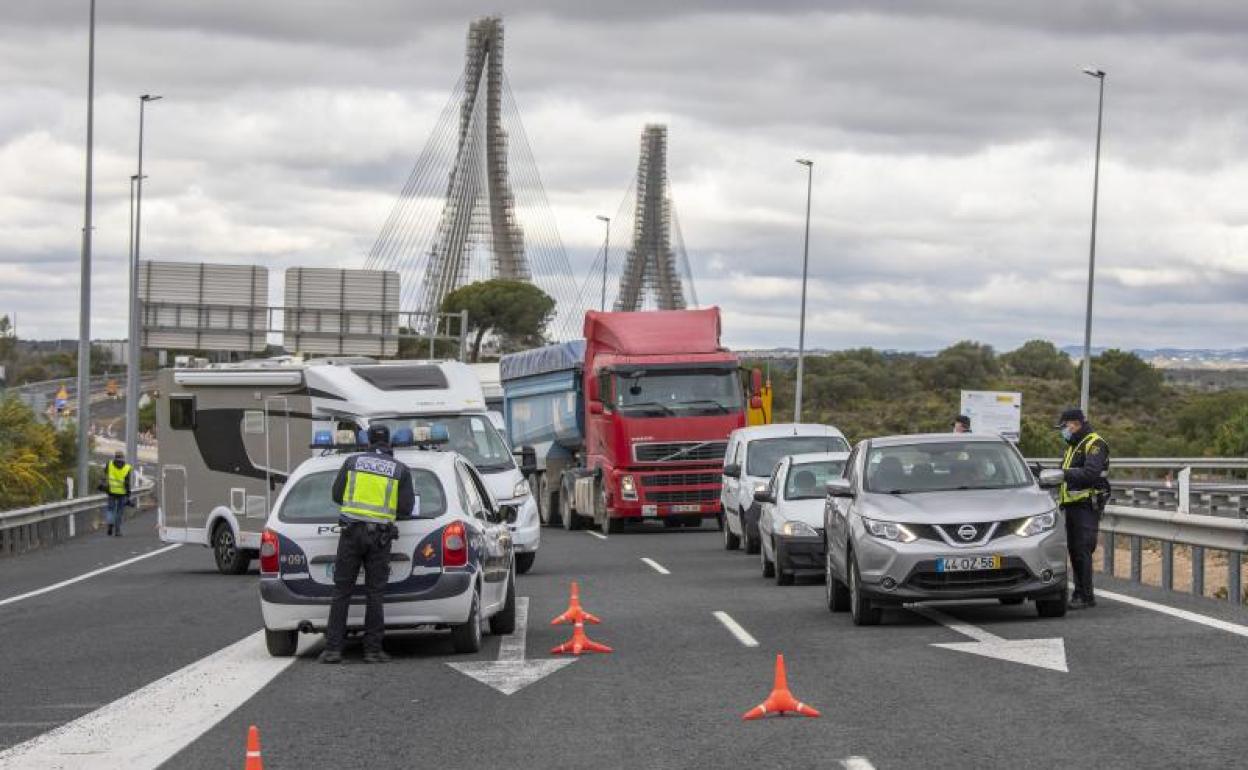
(451, 567)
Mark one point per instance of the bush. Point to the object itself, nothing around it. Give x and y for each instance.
(1040, 359)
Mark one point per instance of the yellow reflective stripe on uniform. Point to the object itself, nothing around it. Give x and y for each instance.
(1065, 495)
(371, 495)
(117, 479)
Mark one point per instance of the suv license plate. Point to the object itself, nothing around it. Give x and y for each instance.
(967, 563)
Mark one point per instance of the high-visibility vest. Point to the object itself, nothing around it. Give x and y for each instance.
(1067, 496)
(117, 478)
(372, 491)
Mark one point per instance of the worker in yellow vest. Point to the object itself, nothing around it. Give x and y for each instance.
(1082, 495)
(116, 484)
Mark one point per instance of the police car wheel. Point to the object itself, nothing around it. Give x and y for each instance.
(504, 622)
(466, 637)
(524, 562)
(281, 644)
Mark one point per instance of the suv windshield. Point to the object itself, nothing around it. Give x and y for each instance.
(309, 500)
(946, 466)
(664, 392)
(763, 454)
(807, 480)
(471, 435)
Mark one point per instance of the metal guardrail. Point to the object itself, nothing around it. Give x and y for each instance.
(25, 529)
(1170, 528)
(1162, 463)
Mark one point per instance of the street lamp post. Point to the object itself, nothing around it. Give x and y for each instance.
(1085, 389)
(84, 287)
(606, 253)
(801, 329)
(133, 349)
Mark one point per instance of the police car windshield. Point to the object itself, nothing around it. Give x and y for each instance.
(944, 467)
(309, 500)
(471, 435)
(807, 481)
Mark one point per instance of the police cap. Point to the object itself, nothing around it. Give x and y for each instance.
(378, 435)
(1073, 414)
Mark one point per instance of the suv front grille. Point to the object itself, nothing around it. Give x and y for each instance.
(679, 479)
(683, 496)
(687, 451)
(974, 579)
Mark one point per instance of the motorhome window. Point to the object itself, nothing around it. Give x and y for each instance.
(664, 392)
(182, 412)
(253, 421)
(471, 435)
(762, 455)
(309, 500)
(417, 377)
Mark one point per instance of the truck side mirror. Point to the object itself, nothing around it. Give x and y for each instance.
(595, 407)
(732, 471)
(756, 402)
(528, 459)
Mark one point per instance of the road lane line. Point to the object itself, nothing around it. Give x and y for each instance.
(152, 724)
(1194, 617)
(857, 763)
(88, 575)
(659, 568)
(735, 628)
(598, 535)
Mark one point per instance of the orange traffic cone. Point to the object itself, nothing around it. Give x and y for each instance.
(254, 761)
(579, 643)
(574, 613)
(781, 701)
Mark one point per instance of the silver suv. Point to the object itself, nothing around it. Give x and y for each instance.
(941, 516)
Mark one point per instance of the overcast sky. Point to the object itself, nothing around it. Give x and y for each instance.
(953, 147)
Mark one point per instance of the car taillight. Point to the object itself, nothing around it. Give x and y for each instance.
(454, 545)
(270, 552)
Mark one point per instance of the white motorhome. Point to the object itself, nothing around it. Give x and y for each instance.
(230, 435)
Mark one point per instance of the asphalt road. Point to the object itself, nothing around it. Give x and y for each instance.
(1143, 688)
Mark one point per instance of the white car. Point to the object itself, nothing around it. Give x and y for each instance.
(751, 457)
(790, 522)
(451, 567)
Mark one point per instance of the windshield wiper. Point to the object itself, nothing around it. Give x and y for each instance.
(649, 404)
(723, 409)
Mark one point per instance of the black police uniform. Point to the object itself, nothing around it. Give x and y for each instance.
(367, 544)
(1086, 471)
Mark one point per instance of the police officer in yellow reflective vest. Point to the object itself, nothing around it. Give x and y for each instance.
(1082, 495)
(116, 485)
(372, 489)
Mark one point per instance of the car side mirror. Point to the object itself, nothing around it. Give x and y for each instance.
(595, 407)
(508, 513)
(528, 459)
(732, 471)
(1051, 478)
(763, 496)
(839, 488)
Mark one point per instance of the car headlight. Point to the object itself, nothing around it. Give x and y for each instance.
(798, 529)
(521, 489)
(1034, 525)
(889, 530)
(628, 487)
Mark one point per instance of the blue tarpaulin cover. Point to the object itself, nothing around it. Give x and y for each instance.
(560, 357)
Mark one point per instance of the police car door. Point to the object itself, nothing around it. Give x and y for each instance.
(492, 537)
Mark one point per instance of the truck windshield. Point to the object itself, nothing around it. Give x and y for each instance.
(472, 435)
(944, 467)
(685, 392)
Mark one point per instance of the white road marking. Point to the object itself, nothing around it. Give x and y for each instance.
(857, 763)
(735, 628)
(511, 672)
(88, 575)
(1041, 653)
(152, 724)
(659, 568)
(598, 535)
(1194, 617)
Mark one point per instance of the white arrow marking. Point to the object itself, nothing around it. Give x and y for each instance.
(1041, 653)
(511, 672)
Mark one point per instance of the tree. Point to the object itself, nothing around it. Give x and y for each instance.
(8, 340)
(1038, 358)
(516, 311)
(1123, 378)
(29, 456)
(1231, 439)
(966, 365)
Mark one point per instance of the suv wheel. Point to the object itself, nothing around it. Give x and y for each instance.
(1052, 608)
(231, 560)
(835, 592)
(860, 606)
(731, 541)
(505, 621)
(281, 644)
(524, 561)
(466, 637)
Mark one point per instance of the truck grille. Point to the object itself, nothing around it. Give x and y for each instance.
(651, 480)
(683, 496)
(692, 450)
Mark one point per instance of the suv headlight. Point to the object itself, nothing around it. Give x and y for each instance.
(628, 487)
(889, 530)
(521, 489)
(798, 529)
(1034, 525)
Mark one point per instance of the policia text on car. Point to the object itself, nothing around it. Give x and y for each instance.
(1083, 495)
(372, 489)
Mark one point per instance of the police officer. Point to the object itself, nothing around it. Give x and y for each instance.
(962, 424)
(1082, 495)
(372, 490)
(117, 485)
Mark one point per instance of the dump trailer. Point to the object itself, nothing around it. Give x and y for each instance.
(631, 422)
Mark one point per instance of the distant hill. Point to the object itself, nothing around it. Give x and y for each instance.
(1162, 358)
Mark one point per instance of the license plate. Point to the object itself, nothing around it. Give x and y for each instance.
(329, 574)
(649, 510)
(968, 563)
(686, 508)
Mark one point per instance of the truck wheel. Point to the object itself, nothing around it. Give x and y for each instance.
(524, 561)
(281, 644)
(609, 525)
(566, 515)
(231, 560)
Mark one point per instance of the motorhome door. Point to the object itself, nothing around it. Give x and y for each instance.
(277, 455)
(174, 505)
